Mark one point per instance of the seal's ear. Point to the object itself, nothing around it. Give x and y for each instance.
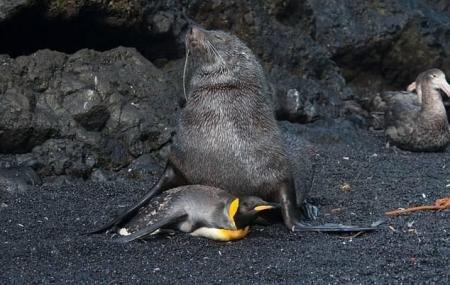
(411, 87)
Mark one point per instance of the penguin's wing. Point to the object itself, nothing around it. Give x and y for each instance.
(127, 215)
(169, 179)
(151, 228)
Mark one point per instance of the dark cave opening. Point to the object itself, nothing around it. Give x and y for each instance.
(31, 30)
(392, 63)
(364, 69)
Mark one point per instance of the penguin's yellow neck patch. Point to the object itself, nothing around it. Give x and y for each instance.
(232, 209)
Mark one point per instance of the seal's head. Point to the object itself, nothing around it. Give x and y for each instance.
(220, 58)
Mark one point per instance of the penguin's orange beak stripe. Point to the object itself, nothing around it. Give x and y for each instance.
(233, 209)
(263, 207)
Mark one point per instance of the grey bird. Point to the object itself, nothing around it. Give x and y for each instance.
(419, 122)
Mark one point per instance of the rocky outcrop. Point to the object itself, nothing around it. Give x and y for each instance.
(66, 109)
(69, 114)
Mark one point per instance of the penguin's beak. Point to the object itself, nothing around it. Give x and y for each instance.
(445, 87)
(268, 206)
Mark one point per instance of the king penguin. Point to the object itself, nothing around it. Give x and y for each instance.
(198, 210)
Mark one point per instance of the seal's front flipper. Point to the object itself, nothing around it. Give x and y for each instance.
(151, 228)
(335, 228)
(170, 178)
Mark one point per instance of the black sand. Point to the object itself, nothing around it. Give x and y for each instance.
(41, 237)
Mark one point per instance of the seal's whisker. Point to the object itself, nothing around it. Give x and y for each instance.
(214, 50)
(184, 73)
(210, 49)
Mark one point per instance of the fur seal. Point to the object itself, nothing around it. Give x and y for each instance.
(227, 135)
(196, 209)
(419, 123)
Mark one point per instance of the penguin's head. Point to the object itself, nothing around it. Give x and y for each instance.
(225, 214)
(241, 212)
(249, 208)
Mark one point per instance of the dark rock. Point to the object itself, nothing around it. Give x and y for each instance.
(296, 107)
(143, 167)
(355, 113)
(90, 109)
(65, 157)
(15, 180)
(10, 8)
(7, 161)
(15, 117)
(95, 119)
(162, 22)
(62, 180)
(101, 175)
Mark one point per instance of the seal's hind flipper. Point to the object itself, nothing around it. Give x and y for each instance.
(167, 221)
(309, 211)
(169, 179)
(336, 228)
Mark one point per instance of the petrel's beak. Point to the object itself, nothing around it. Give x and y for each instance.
(445, 87)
